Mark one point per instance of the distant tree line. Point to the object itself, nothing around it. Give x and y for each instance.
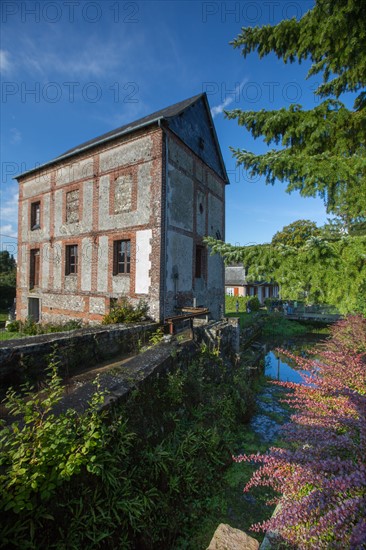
(7, 279)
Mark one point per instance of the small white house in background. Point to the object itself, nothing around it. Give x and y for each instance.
(237, 285)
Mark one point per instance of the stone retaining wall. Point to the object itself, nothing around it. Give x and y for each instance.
(78, 350)
(26, 359)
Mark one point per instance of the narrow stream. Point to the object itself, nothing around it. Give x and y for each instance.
(271, 414)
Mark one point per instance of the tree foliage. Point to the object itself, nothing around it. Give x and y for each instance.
(296, 233)
(7, 262)
(321, 474)
(327, 269)
(323, 149)
(7, 279)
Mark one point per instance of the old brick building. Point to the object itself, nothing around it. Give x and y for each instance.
(124, 215)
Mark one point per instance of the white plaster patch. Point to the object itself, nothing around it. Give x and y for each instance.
(143, 263)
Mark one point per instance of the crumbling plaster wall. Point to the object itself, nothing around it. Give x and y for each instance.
(94, 176)
(195, 208)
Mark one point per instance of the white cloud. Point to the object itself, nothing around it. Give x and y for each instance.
(94, 58)
(15, 136)
(218, 109)
(9, 208)
(8, 230)
(5, 65)
(9, 219)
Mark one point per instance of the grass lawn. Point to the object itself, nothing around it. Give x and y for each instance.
(246, 319)
(4, 335)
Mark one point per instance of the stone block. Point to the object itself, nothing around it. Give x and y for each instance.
(229, 538)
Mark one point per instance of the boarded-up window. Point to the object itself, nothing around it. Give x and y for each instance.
(35, 215)
(121, 257)
(72, 206)
(34, 268)
(71, 263)
(123, 194)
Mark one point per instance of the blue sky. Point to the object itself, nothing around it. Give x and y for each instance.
(72, 70)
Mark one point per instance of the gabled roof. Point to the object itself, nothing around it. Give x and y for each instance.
(235, 275)
(168, 113)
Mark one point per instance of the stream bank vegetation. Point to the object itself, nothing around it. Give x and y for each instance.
(319, 474)
(146, 473)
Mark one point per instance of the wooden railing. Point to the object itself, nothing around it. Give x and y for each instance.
(187, 313)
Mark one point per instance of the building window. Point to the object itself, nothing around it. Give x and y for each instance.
(72, 206)
(200, 262)
(71, 265)
(35, 215)
(121, 257)
(34, 268)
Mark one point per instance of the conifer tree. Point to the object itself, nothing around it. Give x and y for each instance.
(321, 151)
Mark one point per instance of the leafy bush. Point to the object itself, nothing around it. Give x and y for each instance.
(321, 474)
(13, 326)
(40, 451)
(125, 312)
(95, 481)
(254, 303)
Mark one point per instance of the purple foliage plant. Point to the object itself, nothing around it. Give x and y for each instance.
(320, 474)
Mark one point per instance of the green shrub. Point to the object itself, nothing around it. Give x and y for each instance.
(231, 301)
(13, 326)
(99, 480)
(254, 303)
(125, 312)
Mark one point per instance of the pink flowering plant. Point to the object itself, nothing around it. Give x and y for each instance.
(320, 473)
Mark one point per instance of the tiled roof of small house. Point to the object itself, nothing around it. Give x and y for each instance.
(234, 276)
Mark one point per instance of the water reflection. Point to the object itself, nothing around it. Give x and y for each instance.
(280, 367)
(277, 367)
